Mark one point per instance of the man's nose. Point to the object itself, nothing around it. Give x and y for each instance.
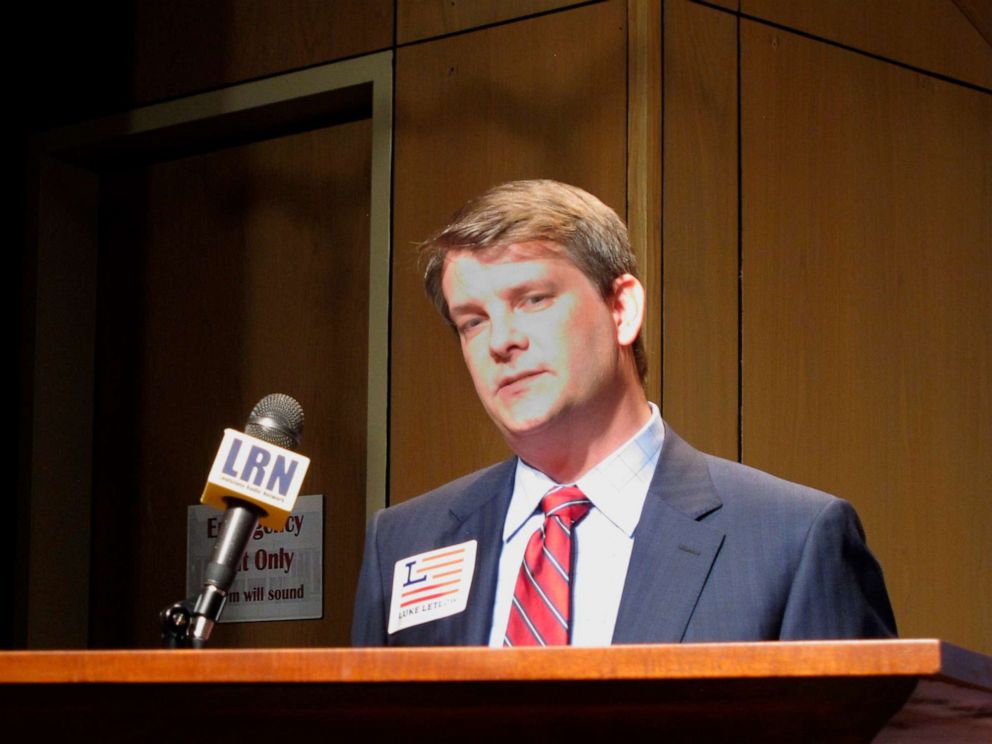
(506, 336)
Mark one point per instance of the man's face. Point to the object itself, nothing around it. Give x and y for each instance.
(539, 340)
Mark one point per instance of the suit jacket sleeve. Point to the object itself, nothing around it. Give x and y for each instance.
(368, 626)
(838, 590)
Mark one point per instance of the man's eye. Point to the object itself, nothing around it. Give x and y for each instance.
(536, 301)
(468, 325)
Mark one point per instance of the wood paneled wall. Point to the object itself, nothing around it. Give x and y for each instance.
(426, 19)
(937, 36)
(867, 322)
(825, 235)
(700, 394)
(185, 46)
(843, 332)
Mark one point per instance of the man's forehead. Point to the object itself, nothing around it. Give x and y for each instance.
(530, 250)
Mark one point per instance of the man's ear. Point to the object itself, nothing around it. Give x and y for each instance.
(627, 306)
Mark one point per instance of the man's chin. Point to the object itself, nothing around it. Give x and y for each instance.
(519, 427)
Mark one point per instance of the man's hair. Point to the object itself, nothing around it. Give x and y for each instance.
(593, 237)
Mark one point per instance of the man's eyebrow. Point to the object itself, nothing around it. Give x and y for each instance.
(464, 307)
(529, 285)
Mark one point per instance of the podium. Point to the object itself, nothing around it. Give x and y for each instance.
(900, 690)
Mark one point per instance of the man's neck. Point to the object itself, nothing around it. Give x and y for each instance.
(569, 449)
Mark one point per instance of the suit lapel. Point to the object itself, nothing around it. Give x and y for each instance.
(673, 552)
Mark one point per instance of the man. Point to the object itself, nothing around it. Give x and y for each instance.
(606, 527)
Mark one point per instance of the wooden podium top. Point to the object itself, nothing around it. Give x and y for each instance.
(928, 658)
(831, 690)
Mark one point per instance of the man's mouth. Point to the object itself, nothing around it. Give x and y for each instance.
(510, 380)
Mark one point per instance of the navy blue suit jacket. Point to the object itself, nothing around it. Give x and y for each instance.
(722, 552)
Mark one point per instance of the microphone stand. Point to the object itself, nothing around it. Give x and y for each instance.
(176, 621)
(189, 623)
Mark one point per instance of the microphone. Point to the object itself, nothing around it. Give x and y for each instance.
(255, 477)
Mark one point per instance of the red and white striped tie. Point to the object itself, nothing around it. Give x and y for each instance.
(541, 612)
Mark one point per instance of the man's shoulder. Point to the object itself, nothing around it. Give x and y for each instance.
(734, 485)
(481, 484)
(735, 479)
(754, 499)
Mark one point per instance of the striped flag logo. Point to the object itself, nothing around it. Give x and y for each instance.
(431, 585)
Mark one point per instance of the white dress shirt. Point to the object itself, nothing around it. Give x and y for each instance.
(603, 541)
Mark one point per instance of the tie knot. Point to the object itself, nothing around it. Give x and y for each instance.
(567, 503)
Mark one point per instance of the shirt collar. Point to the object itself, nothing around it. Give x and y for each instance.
(616, 486)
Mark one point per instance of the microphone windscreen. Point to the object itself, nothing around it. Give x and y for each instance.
(277, 419)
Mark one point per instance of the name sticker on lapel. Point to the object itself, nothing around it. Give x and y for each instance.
(431, 585)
